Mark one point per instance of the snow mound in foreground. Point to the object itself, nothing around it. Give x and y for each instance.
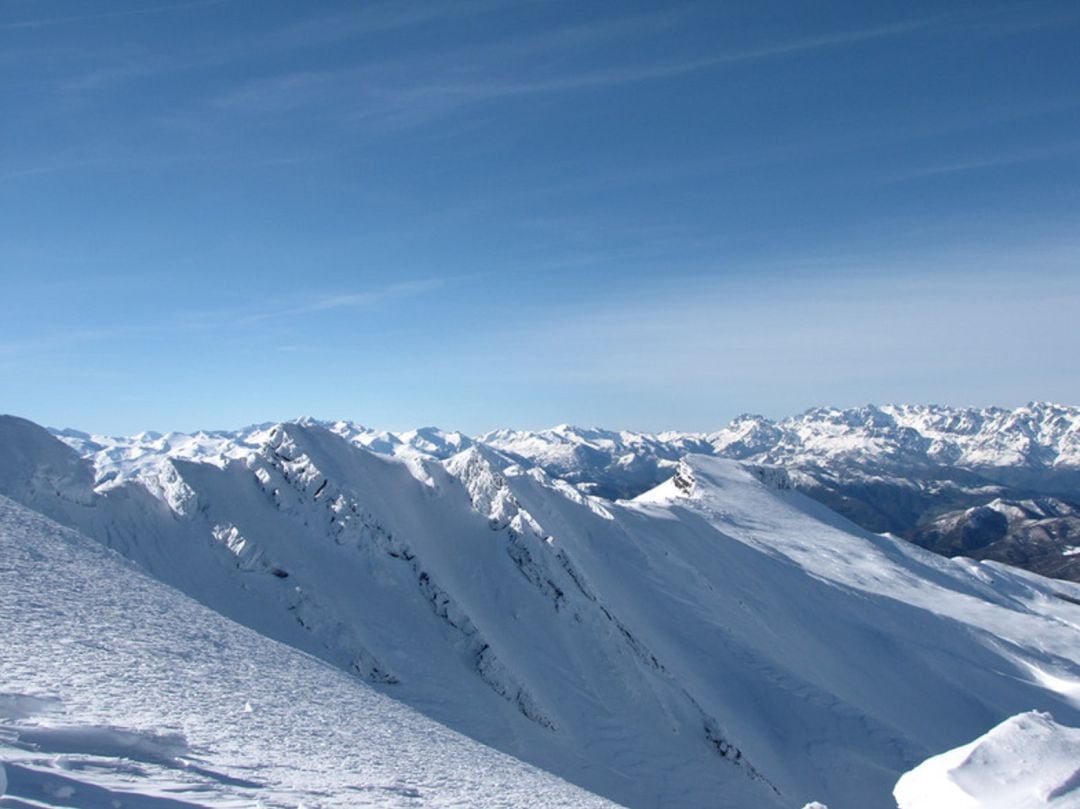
(116, 690)
(1027, 762)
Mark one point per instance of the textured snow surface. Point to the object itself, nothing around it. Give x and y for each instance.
(116, 690)
(1027, 762)
(719, 641)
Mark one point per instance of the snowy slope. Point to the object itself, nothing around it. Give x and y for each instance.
(116, 690)
(1027, 762)
(388, 570)
(720, 640)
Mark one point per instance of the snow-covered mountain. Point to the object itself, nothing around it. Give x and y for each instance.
(920, 472)
(719, 640)
(608, 463)
(116, 690)
(1037, 437)
(1037, 446)
(1041, 441)
(987, 483)
(1036, 533)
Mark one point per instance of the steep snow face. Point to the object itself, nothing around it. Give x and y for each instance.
(483, 475)
(118, 690)
(1027, 762)
(39, 470)
(720, 635)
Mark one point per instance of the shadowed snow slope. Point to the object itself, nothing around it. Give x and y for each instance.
(721, 640)
(120, 691)
(1026, 762)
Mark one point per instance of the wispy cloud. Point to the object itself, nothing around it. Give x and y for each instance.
(313, 304)
(367, 299)
(1051, 152)
(235, 319)
(1018, 18)
(36, 171)
(401, 95)
(44, 22)
(363, 20)
(61, 339)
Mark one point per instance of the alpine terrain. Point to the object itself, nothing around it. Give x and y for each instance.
(985, 483)
(716, 639)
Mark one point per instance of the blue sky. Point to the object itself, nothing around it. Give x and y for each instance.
(497, 213)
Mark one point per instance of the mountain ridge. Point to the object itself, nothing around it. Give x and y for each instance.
(1040, 434)
(917, 471)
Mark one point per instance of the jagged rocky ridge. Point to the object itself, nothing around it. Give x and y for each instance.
(720, 635)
